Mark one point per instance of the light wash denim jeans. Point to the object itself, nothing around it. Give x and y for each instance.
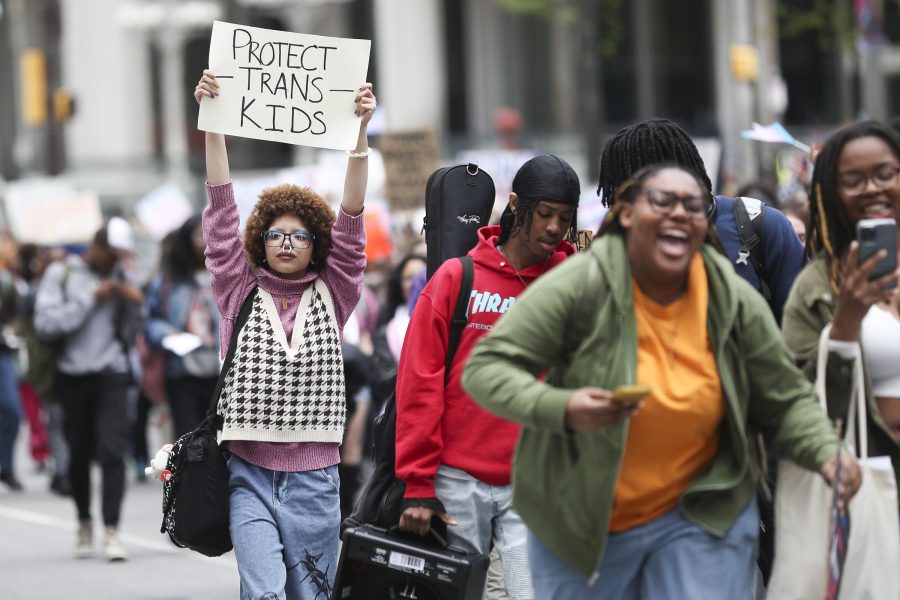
(486, 519)
(285, 528)
(10, 409)
(669, 557)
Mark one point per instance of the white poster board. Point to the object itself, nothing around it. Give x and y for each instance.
(285, 87)
(50, 212)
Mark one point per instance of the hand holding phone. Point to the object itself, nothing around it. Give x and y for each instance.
(630, 394)
(874, 235)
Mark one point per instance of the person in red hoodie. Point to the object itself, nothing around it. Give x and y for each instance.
(453, 455)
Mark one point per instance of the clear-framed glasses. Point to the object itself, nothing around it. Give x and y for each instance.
(884, 177)
(663, 202)
(300, 240)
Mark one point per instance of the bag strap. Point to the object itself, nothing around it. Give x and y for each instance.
(239, 322)
(460, 318)
(857, 415)
(751, 233)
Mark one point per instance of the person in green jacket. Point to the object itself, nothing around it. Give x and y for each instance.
(857, 176)
(653, 499)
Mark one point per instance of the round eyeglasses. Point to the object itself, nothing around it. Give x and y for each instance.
(298, 239)
(884, 177)
(662, 202)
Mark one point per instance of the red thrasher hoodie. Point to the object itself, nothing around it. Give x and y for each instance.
(442, 425)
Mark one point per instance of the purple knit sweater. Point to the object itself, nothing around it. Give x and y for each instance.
(233, 279)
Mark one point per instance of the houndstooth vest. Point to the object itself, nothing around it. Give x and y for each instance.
(279, 393)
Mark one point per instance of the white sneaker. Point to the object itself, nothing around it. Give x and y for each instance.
(84, 545)
(112, 548)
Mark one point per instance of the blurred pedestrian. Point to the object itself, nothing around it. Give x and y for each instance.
(392, 324)
(40, 376)
(180, 303)
(10, 404)
(455, 457)
(857, 176)
(93, 305)
(283, 401)
(628, 498)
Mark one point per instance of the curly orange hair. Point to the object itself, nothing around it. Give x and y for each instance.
(302, 202)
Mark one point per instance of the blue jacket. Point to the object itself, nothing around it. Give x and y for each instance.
(783, 254)
(169, 315)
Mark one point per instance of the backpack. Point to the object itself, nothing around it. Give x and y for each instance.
(458, 201)
(380, 500)
(750, 228)
(43, 353)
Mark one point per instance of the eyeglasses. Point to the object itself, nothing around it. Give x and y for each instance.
(662, 202)
(299, 239)
(884, 177)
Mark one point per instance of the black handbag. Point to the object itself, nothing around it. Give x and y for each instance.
(196, 497)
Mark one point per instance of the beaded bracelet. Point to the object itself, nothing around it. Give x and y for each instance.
(361, 154)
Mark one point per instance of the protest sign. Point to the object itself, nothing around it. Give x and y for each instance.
(409, 158)
(51, 212)
(285, 87)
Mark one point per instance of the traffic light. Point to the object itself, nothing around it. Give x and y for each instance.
(63, 105)
(33, 65)
(744, 60)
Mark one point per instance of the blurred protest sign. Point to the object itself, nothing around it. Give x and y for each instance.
(501, 165)
(163, 210)
(51, 212)
(409, 159)
(285, 87)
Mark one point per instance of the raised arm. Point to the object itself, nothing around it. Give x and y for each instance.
(217, 171)
(357, 167)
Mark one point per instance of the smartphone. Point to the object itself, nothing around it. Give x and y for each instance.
(874, 235)
(630, 394)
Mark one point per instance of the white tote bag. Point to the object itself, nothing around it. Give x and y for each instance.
(803, 518)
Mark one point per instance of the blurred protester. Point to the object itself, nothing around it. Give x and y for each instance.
(40, 376)
(798, 224)
(10, 404)
(30, 270)
(357, 370)
(660, 140)
(454, 456)
(392, 324)
(301, 266)
(619, 501)
(181, 308)
(857, 176)
(93, 305)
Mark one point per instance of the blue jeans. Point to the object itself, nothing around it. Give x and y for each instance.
(10, 409)
(669, 557)
(285, 528)
(486, 519)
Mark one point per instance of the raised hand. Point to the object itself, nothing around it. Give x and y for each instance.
(207, 86)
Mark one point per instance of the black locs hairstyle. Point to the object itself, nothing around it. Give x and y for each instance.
(830, 229)
(629, 190)
(649, 142)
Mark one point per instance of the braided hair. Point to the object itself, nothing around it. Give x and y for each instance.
(830, 229)
(511, 222)
(646, 143)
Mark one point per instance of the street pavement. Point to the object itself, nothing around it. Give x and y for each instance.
(37, 536)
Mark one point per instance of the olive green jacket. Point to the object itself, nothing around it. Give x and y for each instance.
(577, 324)
(809, 308)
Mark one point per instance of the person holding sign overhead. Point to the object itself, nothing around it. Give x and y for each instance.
(283, 404)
